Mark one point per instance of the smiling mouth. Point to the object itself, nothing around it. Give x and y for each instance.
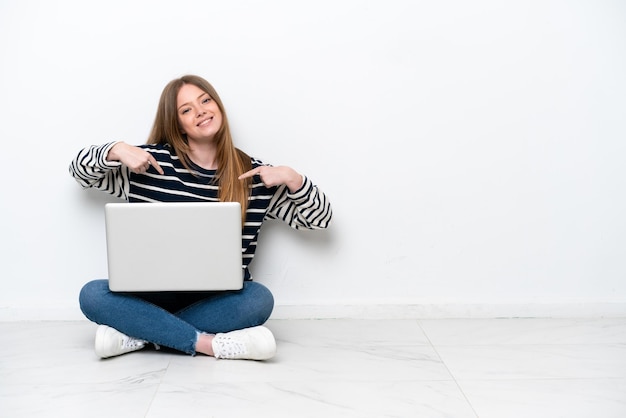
(205, 122)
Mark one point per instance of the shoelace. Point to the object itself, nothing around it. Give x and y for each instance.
(129, 343)
(229, 348)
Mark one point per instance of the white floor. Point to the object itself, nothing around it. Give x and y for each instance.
(500, 368)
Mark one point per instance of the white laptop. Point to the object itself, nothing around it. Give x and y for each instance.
(174, 246)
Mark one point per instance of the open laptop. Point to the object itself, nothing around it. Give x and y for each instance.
(174, 246)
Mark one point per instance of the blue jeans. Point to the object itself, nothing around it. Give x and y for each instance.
(174, 319)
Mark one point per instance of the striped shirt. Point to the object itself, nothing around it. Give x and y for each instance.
(307, 208)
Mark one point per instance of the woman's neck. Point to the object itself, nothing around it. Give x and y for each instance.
(204, 155)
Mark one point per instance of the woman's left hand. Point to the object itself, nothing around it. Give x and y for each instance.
(274, 176)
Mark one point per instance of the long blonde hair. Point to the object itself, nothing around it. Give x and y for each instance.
(231, 161)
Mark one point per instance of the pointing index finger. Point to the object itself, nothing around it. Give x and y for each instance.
(249, 173)
(153, 162)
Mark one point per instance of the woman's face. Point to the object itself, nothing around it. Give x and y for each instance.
(198, 114)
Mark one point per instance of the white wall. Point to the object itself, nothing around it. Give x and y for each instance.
(473, 151)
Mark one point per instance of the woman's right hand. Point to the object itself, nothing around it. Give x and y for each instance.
(136, 159)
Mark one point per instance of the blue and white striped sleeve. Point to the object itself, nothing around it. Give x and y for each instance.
(307, 208)
(91, 169)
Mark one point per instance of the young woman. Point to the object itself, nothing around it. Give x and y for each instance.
(190, 156)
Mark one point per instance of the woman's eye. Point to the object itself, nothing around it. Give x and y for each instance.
(207, 100)
(184, 111)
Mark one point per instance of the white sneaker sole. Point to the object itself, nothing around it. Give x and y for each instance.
(266, 343)
(101, 339)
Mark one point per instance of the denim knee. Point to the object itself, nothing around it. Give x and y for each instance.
(263, 300)
(91, 296)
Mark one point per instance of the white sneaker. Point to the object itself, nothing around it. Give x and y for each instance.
(110, 342)
(255, 343)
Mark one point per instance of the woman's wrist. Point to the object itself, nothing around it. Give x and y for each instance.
(113, 155)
